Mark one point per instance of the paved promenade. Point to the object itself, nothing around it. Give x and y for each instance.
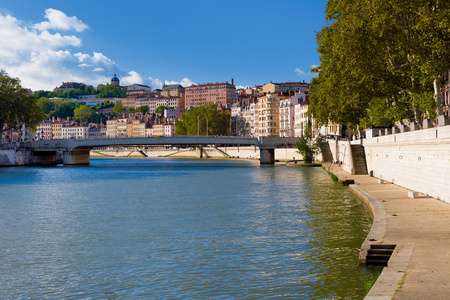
(419, 268)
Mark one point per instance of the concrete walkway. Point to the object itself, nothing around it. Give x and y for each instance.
(419, 268)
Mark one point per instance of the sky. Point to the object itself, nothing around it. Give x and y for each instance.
(45, 43)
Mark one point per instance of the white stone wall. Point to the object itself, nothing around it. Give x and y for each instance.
(418, 160)
(342, 154)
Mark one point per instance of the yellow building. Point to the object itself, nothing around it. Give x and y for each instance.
(129, 128)
(138, 128)
(268, 108)
(57, 130)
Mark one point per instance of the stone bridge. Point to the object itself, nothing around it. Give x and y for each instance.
(76, 151)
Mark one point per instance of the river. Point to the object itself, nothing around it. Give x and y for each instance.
(179, 229)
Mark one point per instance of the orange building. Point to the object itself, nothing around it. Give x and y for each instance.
(219, 93)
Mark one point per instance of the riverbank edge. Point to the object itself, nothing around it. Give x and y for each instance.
(392, 276)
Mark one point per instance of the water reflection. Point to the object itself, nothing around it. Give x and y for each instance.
(179, 229)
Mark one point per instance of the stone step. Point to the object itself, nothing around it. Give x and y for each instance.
(382, 246)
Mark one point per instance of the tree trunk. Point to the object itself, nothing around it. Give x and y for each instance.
(437, 96)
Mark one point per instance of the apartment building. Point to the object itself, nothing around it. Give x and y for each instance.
(74, 131)
(148, 99)
(137, 89)
(173, 102)
(111, 128)
(285, 87)
(301, 118)
(287, 113)
(268, 108)
(172, 90)
(248, 113)
(218, 93)
(96, 131)
(122, 130)
(57, 129)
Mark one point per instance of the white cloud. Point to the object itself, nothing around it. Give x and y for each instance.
(96, 59)
(156, 83)
(186, 82)
(133, 77)
(42, 60)
(299, 72)
(59, 20)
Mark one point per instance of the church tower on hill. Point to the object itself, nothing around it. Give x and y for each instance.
(115, 81)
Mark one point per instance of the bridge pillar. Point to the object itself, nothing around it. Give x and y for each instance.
(200, 151)
(266, 156)
(76, 157)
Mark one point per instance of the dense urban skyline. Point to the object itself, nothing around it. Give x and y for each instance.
(45, 43)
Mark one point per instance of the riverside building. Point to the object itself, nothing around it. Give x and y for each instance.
(268, 114)
(223, 94)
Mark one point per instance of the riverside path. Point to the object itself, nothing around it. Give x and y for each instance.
(419, 267)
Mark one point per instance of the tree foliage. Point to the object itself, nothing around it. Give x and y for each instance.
(110, 91)
(381, 61)
(46, 106)
(143, 109)
(64, 109)
(159, 111)
(307, 145)
(83, 113)
(82, 90)
(118, 107)
(17, 108)
(196, 120)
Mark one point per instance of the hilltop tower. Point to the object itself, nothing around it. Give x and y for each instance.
(115, 81)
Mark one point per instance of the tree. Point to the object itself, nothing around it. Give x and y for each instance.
(380, 61)
(203, 120)
(159, 111)
(46, 106)
(118, 107)
(17, 108)
(107, 104)
(143, 109)
(64, 109)
(109, 91)
(307, 145)
(83, 113)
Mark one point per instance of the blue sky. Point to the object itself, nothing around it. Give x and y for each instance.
(47, 42)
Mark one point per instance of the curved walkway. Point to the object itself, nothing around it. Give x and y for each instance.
(419, 268)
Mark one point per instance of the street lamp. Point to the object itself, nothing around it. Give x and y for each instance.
(206, 126)
(198, 125)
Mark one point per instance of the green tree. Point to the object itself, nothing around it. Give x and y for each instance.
(118, 107)
(203, 120)
(380, 61)
(159, 111)
(307, 145)
(17, 108)
(84, 113)
(143, 109)
(107, 104)
(64, 109)
(41, 93)
(110, 91)
(46, 106)
(131, 109)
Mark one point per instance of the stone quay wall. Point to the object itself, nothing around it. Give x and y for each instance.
(418, 160)
(414, 158)
(342, 154)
